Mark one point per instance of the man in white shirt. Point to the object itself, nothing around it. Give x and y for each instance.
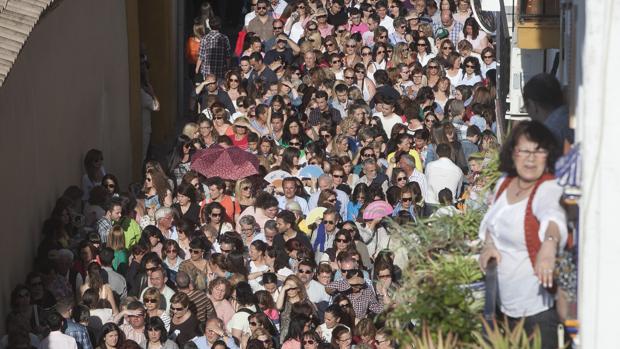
(163, 217)
(386, 21)
(56, 339)
(157, 279)
(289, 185)
(442, 173)
(277, 7)
(389, 118)
(251, 15)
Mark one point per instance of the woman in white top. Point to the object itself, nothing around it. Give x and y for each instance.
(298, 14)
(488, 60)
(525, 227)
(463, 11)
(453, 69)
(258, 265)
(379, 59)
(471, 32)
(423, 47)
(471, 72)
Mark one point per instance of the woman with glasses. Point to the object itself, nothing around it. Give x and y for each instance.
(298, 326)
(351, 57)
(244, 196)
(358, 198)
(488, 60)
(294, 128)
(259, 322)
(399, 178)
(342, 243)
(232, 85)
(361, 296)
(444, 47)
(342, 338)
(293, 293)
(197, 266)
(157, 192)
(424, 51)
(335, 65)
(214, 215)
(401, 55)
(434, 71)
(407, 200)
(262, 335)
(364, 83)
(379, 59)
(156, 333)
(298, 16)
(208, 134)
(110, 183)
(471, 71)
(220, 118)
(418, 81)
(184, 322)
(151, 298)
(172, 257)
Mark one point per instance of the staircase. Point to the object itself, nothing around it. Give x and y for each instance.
(17, 18)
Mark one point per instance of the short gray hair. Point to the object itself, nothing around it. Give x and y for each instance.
(408, 159)
(247, 220)
(162, 212)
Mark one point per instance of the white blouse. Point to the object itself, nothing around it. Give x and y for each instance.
(519, 290)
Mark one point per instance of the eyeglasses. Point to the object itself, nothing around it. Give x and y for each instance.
(261, 7)
(177, 309)
(469, 66)
(405, 199)
(304, 271)
(309, 342)
(233, 80)
(343, 240)
(329, 222)
(151, 300)
(367, 155)
(538, 153)
(401, 179)
(195, 251)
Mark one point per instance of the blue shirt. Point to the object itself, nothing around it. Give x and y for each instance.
(79, 333)
(202, 343)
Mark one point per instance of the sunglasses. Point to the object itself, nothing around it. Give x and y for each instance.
(329, 222)
(225, 251)
(349, 77)
(307, 271)
(337, 176)
(401, 179)
(233, 80)
(245, 188)
(172, 251)
(366, 53)
(261, 7)
(336, 61)
(433, 67)
(151, 300)
(469, 66)
(292, 288)
(218, 118)
(309, 342)
(367, 155)
(176, 309)
(195, 251)
(405, 199)
(295, 144)
(487, 56)
(350, 46)
(422, 44)
(343, 240)
(216, 214)
(446, 48)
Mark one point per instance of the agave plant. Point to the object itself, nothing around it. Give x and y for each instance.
(504, 336)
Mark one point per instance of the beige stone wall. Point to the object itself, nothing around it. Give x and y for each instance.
(68, 92)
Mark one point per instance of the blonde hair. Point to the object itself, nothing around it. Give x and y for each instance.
(152, 292)
(190, 129)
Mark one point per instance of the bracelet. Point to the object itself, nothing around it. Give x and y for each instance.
(551, 238)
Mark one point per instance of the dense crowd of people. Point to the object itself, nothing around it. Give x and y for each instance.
(356, 112)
